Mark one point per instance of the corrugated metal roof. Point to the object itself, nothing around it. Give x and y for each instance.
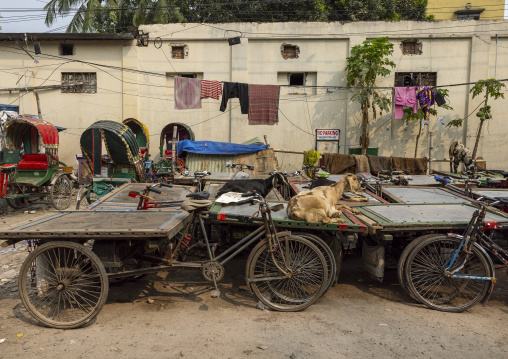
(210, 163)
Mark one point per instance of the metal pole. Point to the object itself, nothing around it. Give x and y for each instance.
(38, 105)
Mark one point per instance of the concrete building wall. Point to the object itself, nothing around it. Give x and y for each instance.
(459, 52)
(445, 10)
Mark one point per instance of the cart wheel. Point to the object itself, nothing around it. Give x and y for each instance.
(61, 192)
(327, 253)
(85, 198)
(308, 277)
(16, 203)
(63, 284)
(403, 259)
(425, 279)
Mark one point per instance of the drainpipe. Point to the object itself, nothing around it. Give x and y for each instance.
(495, 64)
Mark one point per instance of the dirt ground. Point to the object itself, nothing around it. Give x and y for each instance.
(357, 318)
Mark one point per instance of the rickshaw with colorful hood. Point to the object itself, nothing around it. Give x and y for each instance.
(29, 167)
(113, 158)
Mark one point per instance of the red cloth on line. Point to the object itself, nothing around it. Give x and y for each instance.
(263, 104)
(211, 89)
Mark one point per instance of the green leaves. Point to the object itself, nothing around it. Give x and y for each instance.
(492, 87)
(368, 61)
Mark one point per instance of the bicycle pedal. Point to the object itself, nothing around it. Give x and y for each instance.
(215, 293)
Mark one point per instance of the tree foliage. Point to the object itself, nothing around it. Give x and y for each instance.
(116, 15)
(489, 88)
(366, 63)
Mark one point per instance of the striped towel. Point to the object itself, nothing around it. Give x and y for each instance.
(187, 93)
(211, 89)
(263, 104)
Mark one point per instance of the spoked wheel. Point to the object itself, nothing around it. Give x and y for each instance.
(16, 203)
(63, 284)
(306, 280)
(426, 280)
(85, 198)
(403, 258)
(61, 192)
(327, 253)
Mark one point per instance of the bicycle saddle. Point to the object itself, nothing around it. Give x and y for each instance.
(199, 195)
(193, 204)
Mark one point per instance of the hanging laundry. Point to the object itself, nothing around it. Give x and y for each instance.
(187, 93)
(426, 97)
(263, 104)
(235, 90)
(404, 96)
(212, 89)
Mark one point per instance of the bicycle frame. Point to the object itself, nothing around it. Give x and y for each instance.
(467, 240)
(267, 230)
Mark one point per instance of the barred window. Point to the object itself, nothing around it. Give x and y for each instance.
(79, 82)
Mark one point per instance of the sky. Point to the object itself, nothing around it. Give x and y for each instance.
(34, 21)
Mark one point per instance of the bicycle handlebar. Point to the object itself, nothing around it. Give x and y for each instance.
(151, 189)
(165, 184)
(249, 194)
(248, 200)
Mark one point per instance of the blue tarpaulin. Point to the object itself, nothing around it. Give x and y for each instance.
(217, 148)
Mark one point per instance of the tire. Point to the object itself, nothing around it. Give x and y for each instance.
(71, 277)
(60, 192)
(427, 283)
(288, 294)
(16, 203)
(85, 198)
(327, 253)
(403, 258)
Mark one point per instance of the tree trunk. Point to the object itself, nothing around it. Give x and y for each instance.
(364, 138)
(478, 134)
(418, 138)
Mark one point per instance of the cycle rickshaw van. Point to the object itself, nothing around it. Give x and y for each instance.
(30, 166)
(113, 158)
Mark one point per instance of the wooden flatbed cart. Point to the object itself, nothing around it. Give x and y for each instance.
(35, 175)
(64, 281)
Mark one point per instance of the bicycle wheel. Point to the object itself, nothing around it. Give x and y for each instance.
(426, 280)
(307, 280)
(86, 198)
(63, 284)
(403, 259)
(60, 192)
(327, 253)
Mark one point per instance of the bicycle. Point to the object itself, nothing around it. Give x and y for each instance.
(285, 272)
(454, 272)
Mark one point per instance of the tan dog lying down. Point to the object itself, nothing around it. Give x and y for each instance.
(319, 204)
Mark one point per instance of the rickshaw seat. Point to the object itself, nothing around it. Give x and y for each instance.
(33, 161)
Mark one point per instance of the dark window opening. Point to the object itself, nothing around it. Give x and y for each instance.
(66, 49)
(411, 47)
(297, 79)
(191, 76)
(405, 79)
(468, 16)
(178, 52)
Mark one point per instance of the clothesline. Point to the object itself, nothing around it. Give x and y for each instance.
(369, 87)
